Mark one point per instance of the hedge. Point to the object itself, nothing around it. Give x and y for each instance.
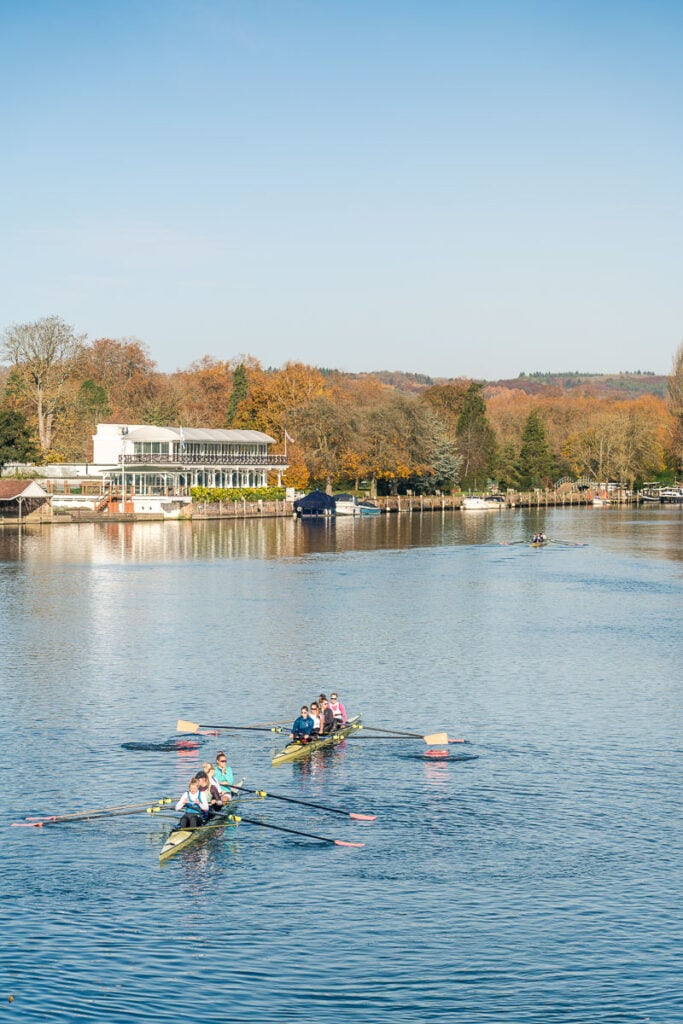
(210, 495)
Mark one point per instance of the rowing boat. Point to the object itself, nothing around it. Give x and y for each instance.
(180, 838)
(296, 751)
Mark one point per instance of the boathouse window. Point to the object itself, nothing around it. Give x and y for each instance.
(149, 447)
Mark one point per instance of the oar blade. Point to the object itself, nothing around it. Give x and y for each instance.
(363, 817)
(184, 726)
(343, 842)
(457, 741)
(436, 737)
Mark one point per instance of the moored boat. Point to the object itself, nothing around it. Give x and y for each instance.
(296, 751)
(488, 501)
(349, 505)
(180, 838)
(671, 495)
(367, 508)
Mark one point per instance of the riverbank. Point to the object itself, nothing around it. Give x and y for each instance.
(277, 509)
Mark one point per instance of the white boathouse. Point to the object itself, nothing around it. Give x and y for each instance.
(147, 460)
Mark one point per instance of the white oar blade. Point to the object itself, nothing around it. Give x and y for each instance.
(436, 737)
(183, 726)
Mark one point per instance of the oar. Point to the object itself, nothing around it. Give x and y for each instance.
(308, 803)
(260, 725)
(101, 810)
(435, 737)
(184, 726)
(295, 832)
(84, 817)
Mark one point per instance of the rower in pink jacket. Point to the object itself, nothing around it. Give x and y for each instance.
(337, 709)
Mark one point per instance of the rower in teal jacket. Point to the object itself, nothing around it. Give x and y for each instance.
(223, 773)
(303, 726)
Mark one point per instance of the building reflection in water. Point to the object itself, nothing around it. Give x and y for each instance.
(660, 533)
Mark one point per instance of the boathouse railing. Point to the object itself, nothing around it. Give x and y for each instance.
(188, 459)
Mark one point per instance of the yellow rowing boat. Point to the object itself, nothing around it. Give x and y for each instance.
(180, 838)
(296, 751)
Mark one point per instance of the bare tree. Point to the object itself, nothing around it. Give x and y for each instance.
(676, 406)
(42, 353)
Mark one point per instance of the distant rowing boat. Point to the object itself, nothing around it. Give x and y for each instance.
(180, 838)
(297, 751)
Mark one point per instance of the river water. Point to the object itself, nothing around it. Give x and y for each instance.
(531, 876)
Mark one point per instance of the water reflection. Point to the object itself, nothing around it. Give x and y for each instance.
(437, 773)
(659, 531)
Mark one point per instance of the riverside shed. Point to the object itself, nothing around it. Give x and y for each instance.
(24, 500)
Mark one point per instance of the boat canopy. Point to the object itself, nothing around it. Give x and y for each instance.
(315, 504)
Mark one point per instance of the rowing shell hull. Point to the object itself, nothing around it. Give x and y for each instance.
(298, 751)
(181, 838)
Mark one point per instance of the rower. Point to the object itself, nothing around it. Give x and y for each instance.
(223, 773)
(217, 797)
(194, 804)
(303, 727)
(326, 718)
(338, 710)
(315, 715)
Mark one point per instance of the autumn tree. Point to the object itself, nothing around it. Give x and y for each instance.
(126, 372)
(447, 401)
(202, 392)
(476, 439)
(275, 397)
(621, 444)
(43, 354)
(396, 442)
(83, 406)
(322, 431)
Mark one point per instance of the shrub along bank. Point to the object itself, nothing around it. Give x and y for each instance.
(209, 495)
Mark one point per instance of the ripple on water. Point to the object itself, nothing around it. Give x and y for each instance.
(532, 876)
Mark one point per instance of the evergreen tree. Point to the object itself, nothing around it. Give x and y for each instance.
(240, 390)
(16, 443)
(476, 439)
(93, 398)
(536, 464)
(508, 466)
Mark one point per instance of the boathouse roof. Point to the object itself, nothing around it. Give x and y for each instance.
(152, 433)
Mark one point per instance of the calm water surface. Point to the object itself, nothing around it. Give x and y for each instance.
(533, 876)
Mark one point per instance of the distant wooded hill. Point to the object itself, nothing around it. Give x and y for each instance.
(605, 385)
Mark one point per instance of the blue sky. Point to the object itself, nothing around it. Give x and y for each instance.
(455, 188)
